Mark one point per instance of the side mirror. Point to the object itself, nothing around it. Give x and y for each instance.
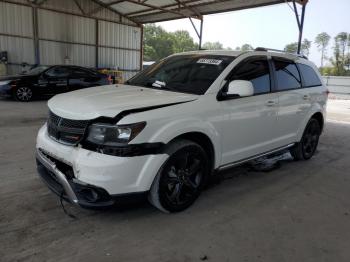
(43, 75)
(240, 88)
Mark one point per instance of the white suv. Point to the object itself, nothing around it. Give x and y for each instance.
(169, 128)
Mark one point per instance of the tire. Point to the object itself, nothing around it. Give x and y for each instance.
(307, 146)
(181, 178)
(23, 94)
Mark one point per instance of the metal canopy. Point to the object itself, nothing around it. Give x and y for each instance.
(150, 11)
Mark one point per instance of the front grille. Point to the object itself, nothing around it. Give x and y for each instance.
(66, 131)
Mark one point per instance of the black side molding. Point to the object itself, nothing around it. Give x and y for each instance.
(128, 150)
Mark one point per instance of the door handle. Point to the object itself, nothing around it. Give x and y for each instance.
(306, 97)
(271, 103)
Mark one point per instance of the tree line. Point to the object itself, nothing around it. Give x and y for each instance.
(158, 43)
(339, 60)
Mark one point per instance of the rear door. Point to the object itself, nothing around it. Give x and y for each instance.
(294, 102)
(249, 124)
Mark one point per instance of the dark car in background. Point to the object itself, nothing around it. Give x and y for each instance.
(50, 80)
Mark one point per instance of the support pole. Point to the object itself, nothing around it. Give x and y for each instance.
(200, 35)
(301, 28)
(36, 36)
(141, 48)
(194, 27)
(97, 42)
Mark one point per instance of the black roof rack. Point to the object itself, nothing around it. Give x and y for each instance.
(279, 51)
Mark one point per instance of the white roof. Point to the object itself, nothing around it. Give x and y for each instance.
(212, 52)
(150, 11)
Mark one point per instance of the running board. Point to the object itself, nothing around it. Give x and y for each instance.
(237, 163)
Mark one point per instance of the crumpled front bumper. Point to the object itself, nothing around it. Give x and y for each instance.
(70, 189)
(91, 179)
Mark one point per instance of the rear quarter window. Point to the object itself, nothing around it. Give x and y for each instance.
(309, 76)
(287, 75)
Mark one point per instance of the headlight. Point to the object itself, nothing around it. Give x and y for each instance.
(2, 83)
(112, 135)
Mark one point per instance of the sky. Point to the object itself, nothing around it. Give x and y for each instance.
(271, 26)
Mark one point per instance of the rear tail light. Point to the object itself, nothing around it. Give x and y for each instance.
(110, 81)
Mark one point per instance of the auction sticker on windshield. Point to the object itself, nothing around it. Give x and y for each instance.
(209, 61)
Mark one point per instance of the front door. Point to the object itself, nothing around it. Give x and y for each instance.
(55, 80)
(81, 78)
(249, 125)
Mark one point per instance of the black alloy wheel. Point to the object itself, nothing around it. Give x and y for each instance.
(310, 139)
(306, 148)
(23, 94)
(181, 178)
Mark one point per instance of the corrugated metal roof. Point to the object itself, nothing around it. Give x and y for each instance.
(149, 11)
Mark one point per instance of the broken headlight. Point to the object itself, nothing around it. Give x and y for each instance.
(113, 135)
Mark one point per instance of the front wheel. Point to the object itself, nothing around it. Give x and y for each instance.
(23, 94)
(307, 146)
(180, 180)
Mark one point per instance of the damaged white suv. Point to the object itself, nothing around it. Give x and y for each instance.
(169, 128)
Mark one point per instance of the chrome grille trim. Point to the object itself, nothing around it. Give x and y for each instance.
(66, 131)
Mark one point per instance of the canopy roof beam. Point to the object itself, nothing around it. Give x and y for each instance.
(160, 8)
(300, 21)
(103, 5)
(200, 33)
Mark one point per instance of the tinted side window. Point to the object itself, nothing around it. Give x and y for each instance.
(287, 75)
(58, 72)
(256, 71)
(79, 72)
(309, 76)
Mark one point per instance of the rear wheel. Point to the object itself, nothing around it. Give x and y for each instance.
(23, 94)
(181, 178)
(307, 146)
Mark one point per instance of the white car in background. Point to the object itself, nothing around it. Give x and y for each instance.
(166, 131)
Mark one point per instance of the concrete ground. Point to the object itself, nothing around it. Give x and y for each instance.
(298, 212)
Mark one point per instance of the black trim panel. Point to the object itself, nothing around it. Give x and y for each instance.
(127, 150)
(247, 159)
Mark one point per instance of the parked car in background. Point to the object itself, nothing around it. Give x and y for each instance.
(50, 80)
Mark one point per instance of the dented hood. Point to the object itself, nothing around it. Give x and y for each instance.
(109, 101)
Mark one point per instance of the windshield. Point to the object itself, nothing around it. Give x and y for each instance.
(37, 70)
(192, 74)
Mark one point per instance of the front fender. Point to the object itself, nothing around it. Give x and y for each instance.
(176, 128)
